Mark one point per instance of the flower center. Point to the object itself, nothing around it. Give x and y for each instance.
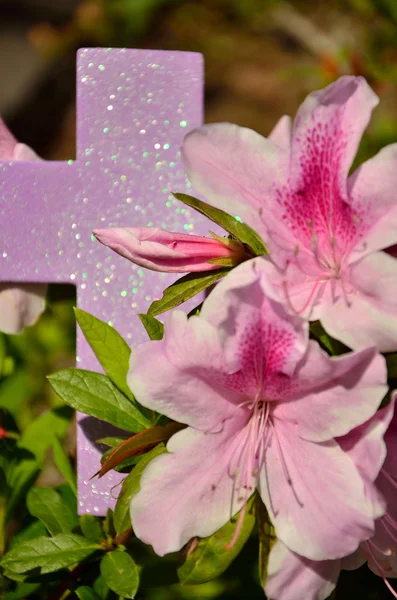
(330, 263)
(251, 456)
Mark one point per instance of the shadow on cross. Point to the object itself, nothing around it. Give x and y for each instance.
(95, 430)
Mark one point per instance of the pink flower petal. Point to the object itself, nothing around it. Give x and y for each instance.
(314, 495)
(23, 152)
(325, 138)
(188, 492)
(334, 395)
(260, 337)
(189, 374)
(366, 444)
(7, 142)
(20, 306)
(281, 133)
(371, 317)
(291, 576)
(372, 191)
(235, 168)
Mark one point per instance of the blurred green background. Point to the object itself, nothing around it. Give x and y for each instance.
(262, 57)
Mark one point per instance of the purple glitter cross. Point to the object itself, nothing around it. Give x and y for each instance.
(134, 107)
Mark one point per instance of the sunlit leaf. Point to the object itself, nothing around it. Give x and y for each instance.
(109, 347)
(120, 573)
(94, 394)
(154, 328)
(185, 288)
(208, 558)
(48, 506)
(48, 554)
(91, 528)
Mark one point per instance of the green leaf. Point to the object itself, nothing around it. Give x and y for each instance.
(34, 530)
(13, 391)
(91, 528)
(267, 539)
(332, 346)
(120, 573)
(109, 347)
(154, 328)
(241, 231)
(22, 591)
(100, 588)
(48, 554)
(21, 478)
(48, 506)
(112, 442)
(208, 557)
(185, 288)
(140, 444)
(130, 487)
(108, 523)
(94, 394)
(39, 436)
(86, 593)
(61, 460)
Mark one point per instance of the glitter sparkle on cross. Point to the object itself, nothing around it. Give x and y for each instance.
(133, 109)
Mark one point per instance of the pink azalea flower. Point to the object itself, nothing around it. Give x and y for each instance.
(263, 406)
(161, 250)
(292, 577)
(22, 304)
(324, 229)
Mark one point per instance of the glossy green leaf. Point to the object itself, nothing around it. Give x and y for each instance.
(62, 461)
(185, 288)
(130, 487)
(140, 444)
(120, 573)
(94, 394)
(48, 554)
(267, 539)
(91, 528)
(208, 558)
(241, 231)
(109, 347)
(108, 523)
(48, 506)
(39, 436)
(154, 327)
(86, 593)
